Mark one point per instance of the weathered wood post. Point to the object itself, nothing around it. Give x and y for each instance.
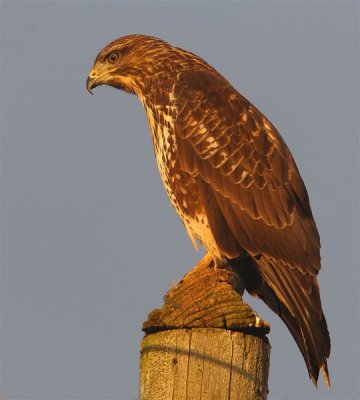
(205, 342)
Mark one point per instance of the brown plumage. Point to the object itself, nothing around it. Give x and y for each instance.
(230, 177)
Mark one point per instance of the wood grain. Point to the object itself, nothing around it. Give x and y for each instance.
(204, 364)
(205, 342)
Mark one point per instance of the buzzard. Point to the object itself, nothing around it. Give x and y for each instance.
(231, 179)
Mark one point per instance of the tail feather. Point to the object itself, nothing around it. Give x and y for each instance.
(295, 297)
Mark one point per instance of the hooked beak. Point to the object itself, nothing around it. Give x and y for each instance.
(92, 80)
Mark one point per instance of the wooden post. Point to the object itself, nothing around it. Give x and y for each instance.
(205, 342)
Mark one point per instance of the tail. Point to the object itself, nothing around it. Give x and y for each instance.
(295, 297)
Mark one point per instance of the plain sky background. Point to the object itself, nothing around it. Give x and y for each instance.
(90, 243)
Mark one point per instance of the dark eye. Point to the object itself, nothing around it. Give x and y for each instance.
(112, 58)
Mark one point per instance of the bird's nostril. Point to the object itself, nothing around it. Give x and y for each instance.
(93, 74)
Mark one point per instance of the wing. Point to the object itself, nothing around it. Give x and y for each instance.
(253, 195)
(243, 163)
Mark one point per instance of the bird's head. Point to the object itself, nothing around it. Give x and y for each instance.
(133, 62)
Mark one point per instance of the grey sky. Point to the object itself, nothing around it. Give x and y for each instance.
(90, 243)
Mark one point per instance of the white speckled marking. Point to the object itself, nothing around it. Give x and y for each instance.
(165, 154)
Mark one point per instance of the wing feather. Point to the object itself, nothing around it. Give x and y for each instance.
(247, 166)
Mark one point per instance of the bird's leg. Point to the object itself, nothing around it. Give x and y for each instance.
(230, 275)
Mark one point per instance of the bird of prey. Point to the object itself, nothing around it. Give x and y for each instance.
(231, 179)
